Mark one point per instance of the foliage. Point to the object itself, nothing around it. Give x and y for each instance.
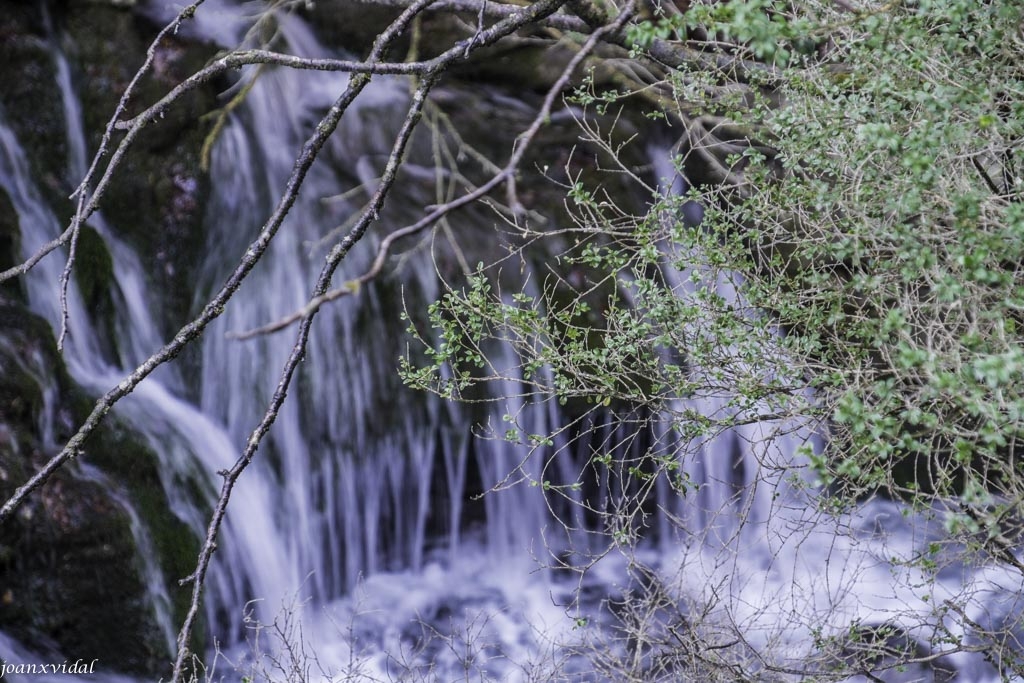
(858, 266)
(875, 249)
(891, 249)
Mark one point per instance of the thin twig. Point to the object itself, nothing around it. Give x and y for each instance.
(334, 259)
(328, 124)
(87, 205)
(506, 175)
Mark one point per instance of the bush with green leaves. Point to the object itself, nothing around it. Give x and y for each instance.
(859, 266)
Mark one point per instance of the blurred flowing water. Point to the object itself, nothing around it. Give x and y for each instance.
(361, 514)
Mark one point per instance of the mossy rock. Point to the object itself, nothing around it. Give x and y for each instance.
(117, 450)
(71, 579)
(21, 397)
(10, 248)
(351, 25)
(155, 199)
(68, 578)
(94, 275)
(94, 269)
(29, 94)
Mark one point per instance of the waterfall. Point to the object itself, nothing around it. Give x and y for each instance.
(766, 570)
(364, 500)
(359, 479)
(361, 468)
(85, 360)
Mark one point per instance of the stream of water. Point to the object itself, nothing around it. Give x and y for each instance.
(359, 522)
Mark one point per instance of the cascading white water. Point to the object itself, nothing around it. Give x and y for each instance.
(354, 460)
(85, 360)
(759, 559)
(360, 479)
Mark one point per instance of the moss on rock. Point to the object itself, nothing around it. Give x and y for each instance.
(94, 275)
(10, 249)
(71, 579)
(119, 451)
(156, 197)
(31, 99)
(66, 574)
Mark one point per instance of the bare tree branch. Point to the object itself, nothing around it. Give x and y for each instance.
(87, 204)
(213, 308)
(497, 10)
(326, 127)
(506, 175)
(334, 259)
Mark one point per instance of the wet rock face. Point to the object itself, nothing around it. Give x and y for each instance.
(155, 200)
(29, 94)
(351, 25)
(69, 580)
(66, 584)
(9, 248)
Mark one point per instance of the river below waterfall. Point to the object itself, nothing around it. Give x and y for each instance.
(376, 536)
